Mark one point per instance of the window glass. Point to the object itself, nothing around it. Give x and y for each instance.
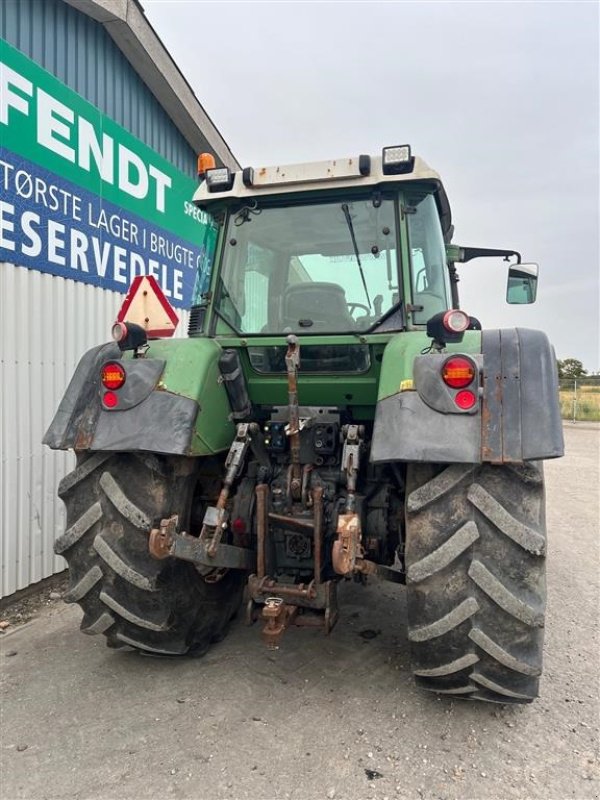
(206, 258)
(328, 267)
(430, 278)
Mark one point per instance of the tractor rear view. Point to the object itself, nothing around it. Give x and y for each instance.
(333, 415)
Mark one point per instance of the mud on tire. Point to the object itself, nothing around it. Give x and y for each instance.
(475, 561)
(162, 607)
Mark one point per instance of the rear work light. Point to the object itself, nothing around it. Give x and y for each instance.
(113, 375)
(128, 335)
(448, 326)
(458, 372)
(456, 321)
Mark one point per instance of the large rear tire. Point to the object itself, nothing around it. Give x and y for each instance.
(161, 607)
(476, 593)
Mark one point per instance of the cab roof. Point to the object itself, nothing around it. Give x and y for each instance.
(346, 173)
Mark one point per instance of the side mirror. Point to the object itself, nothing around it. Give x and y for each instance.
(521, 287)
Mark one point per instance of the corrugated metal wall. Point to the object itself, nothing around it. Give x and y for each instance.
(79, 52)
(47, 323)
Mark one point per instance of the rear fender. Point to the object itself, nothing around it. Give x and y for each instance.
(516, 419)
(172, 402)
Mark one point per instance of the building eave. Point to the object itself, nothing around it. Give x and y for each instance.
(126, 23)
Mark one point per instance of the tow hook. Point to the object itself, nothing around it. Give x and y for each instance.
(278, 616)
(161, 539)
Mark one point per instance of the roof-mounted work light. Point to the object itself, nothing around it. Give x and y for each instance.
(219, 180)
(397, 160)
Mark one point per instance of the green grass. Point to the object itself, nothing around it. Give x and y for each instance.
(585, 404)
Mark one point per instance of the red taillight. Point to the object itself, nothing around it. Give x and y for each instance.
(113, 375)
(465, 399)
(458, 372)
(110, 399)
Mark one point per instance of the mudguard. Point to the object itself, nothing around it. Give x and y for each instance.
(172, 402)
(516, 419)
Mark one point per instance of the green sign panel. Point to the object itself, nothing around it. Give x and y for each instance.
(84, 199)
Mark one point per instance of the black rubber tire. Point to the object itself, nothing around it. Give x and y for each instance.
(476, 591)
(161, 607)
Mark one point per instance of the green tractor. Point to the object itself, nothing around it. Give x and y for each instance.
(333, 415)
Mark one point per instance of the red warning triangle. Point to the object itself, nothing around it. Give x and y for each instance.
(145, 304)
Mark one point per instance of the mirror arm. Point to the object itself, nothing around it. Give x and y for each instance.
(459, 254)
(454, 279)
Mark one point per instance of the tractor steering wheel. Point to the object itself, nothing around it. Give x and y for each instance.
(353, 306)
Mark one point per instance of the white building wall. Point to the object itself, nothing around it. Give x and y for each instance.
(46, 324)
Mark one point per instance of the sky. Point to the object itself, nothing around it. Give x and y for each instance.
(500, 98)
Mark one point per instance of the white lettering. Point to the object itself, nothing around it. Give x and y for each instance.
(136, 188)
(6, 224)
(89, 146)
(50, 125)
(165, 280)
(100, 259)
(7, 169)
(28, 220)
(162, 182)
(79, 246)
(55, 243)
(177, 284)
(153, 268)
(23, 184)
(9, 78)
(136, 265)
(120, 265)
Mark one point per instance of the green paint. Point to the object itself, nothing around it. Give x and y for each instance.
(192, 371)
(401, 351)
(49, 124)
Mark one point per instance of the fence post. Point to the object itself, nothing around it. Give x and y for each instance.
(574, 401)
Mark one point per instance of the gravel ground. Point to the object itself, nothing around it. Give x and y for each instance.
(333, 717)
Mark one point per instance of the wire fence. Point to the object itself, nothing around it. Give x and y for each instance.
(580, 399)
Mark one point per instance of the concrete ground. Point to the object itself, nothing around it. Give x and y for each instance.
(333, 717)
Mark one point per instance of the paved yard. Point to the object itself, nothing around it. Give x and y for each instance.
(322, 717)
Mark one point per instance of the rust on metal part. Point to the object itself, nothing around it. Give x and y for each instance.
(215, 517)
(306, 498)
(488, 453)
(215, 539)
(292, 363)
(261, 586)
(277, 615)
(262, 522)
(300, 523)
(486, 418)
(317, 496)
(347, 547)
(161, 539)
(316, 609)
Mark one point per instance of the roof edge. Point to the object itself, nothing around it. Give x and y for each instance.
(128, 26)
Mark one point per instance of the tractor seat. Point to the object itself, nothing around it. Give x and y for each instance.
(322, 303)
